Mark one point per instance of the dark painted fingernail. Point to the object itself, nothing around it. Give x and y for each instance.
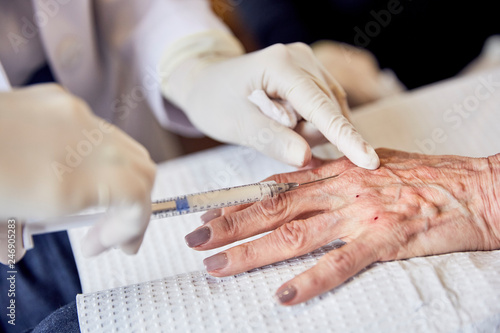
(215, 262)
(210, 215)
(286, 295)
(198, 237)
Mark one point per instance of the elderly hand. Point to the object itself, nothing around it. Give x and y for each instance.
(206, 76)
(59, 158)
(413, 205)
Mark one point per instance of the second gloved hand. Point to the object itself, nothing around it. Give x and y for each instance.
(358, 72)
(59, 158)
(206, 76)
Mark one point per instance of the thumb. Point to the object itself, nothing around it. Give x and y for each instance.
(289, 147)
(275, 140)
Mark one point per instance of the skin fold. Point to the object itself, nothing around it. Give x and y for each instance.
(413, 205)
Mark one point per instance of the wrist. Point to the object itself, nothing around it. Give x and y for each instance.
(184, 59)
(486, 188)
(494, 193)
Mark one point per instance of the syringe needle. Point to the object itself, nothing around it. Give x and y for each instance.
(295, 186)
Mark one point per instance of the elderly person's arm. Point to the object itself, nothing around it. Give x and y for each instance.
(413, 205)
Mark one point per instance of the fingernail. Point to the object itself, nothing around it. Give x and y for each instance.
(210, 215)
(286, 295)
(198, 237)
(215, 262)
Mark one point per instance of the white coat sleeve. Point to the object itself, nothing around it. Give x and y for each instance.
(140, 31)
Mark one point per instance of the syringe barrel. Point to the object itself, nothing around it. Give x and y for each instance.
(230, 196)
(226, 197)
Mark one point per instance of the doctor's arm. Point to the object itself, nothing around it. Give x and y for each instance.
(59, 158)
(413, 205)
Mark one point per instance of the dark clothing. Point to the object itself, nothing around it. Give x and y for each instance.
(45, 280)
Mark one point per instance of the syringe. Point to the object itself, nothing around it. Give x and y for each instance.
(225, 197)
(179, 205)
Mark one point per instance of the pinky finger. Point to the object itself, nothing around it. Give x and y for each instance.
(331, 271)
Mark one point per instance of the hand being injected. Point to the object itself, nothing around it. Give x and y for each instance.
(413, 205)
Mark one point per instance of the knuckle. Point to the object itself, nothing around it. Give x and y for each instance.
(292, 235)
(248, 253)
(320, 102)
(278, 51)
(340, 130)
(300, 83)
(229, 225)
(341, 262)
(318, 281)
(276, 207)
(302, 46)
(280, 178)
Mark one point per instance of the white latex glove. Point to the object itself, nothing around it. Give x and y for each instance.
(357, 71)
(206, 76)
(58, 158)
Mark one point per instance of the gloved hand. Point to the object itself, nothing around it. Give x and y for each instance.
(357, 71)
(59, 158)
(208, 78)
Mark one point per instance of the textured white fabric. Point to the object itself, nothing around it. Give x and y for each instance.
(435, 294)
(454, 292)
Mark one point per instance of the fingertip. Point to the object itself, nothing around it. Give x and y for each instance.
(315, 162)
(125, 224)
(132, 247)
(364, 156)
(297, 153)
(198, 237)
(91, 245)
(371, 160)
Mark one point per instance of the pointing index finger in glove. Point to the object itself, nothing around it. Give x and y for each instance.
(307, 94)
(326, 114)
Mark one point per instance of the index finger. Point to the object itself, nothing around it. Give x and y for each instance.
(306, 94)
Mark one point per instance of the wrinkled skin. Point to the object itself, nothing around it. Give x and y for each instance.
(413, 205)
